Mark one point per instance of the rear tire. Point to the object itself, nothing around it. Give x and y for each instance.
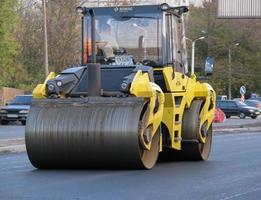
(228, 116)
(242, 116)
(23, 123)
(192, 149)
(196, 151)
(254, 117)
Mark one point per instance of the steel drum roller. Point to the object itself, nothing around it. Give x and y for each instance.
(85, 133)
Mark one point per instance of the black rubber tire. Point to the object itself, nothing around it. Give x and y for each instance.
(254, 117)
(4, 122)
(192, 149)
(191, 121)
(196, 151)
(23, 123)
(242, 115)
(228, 116)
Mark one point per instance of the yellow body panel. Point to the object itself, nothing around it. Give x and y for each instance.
(142, 87)
(181, 91)
(40, 91)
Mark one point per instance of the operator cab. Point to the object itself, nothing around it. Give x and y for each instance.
(124, 40)
(136, 35)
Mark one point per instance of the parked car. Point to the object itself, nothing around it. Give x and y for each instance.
(254, 103)
(237, 108)
(16, 110)
(256, 99)
(237, 99)
(221, 97)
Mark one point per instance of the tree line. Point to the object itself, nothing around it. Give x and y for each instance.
(222, 35)
(22, 48)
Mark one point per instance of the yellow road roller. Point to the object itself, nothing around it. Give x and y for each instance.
(132, 99)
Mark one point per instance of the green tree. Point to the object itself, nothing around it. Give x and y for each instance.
(64, 34)
(222, 34)
(64, 38)
(11, 71)
(30, 39)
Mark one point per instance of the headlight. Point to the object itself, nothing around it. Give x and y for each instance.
(3, 111)
(51, 87)
(24, 111)
(59, 83)
(251, 110)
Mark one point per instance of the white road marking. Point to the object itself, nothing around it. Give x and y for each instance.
(241, 194)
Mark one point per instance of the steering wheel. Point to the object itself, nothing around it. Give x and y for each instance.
(119, 51)
(148, 62)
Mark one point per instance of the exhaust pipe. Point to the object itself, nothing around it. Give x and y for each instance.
(93, 37)
(94, 79)
(94, 69)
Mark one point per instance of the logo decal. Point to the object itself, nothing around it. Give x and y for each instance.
(123, 9)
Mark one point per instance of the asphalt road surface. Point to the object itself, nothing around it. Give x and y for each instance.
(232, 172)
(12, 131)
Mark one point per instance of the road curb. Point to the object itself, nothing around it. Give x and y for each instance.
(16, 145)
(232, 130)
(257, 124)
(13, 149)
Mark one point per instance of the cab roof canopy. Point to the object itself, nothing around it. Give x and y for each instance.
(108, 3)
(177, 10)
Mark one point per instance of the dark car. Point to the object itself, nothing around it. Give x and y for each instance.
(16, 110)
(237, 108)
(254, 103)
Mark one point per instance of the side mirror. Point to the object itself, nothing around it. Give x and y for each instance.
(209, 66)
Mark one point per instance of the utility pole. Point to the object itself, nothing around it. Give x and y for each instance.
(229, 74)
(45, 40)
(208, 24)
(230, 70)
